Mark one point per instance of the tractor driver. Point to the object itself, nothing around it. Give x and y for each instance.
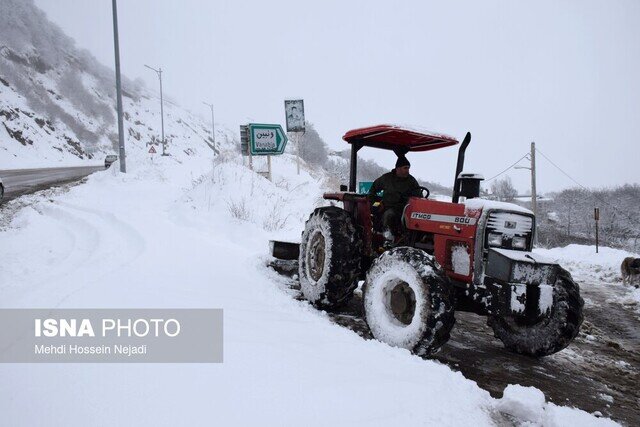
(397, 186)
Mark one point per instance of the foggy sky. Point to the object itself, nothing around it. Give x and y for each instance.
(565, 74)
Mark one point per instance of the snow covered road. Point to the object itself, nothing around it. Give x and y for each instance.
(164, 236)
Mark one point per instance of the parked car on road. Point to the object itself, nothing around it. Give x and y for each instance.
(109, 159)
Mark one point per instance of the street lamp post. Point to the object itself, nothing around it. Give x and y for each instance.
(116, 45)
(164, 143)
(213, 138)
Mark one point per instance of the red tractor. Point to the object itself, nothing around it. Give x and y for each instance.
(470, 255)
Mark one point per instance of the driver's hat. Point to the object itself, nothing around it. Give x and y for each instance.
(402, 161)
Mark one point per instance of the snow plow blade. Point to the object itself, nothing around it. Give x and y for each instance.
(521, 282)
(284, 250)
(285, 256)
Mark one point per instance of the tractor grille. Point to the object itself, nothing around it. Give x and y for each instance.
(510, 224)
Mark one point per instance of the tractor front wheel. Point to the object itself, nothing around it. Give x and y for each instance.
(407, 301)
(553, 332)
(330, 253)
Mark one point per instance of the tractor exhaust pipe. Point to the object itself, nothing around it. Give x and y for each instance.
(459, 166)
(353, 167)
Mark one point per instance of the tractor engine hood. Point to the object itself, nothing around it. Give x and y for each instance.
(484, 204)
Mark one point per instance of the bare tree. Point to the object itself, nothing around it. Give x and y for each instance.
(504, 190)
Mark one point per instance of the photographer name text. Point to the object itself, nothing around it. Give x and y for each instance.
(74, 349)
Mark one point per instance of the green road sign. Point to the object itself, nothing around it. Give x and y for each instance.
(266, 140)
(364, 187)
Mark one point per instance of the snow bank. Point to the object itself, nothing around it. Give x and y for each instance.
(527, 406)
(523, 403)
(174, 234)
(585, 265)
(585, 257)
(234, 194)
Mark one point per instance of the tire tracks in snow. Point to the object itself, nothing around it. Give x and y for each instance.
(99, 243)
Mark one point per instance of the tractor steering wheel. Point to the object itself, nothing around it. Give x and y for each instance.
(423, 190)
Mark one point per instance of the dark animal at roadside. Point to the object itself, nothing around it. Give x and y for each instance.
(630, 270)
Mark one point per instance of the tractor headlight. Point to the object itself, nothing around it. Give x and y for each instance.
(519, 243)
(495, 239)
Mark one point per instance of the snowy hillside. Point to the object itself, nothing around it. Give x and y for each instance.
(176, 235)
(57, 103)
(184, 231)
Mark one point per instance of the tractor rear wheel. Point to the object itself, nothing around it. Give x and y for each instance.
(407, 301)
(330, 254)
(552, 332)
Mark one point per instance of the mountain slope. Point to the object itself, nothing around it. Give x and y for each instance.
(57, 103)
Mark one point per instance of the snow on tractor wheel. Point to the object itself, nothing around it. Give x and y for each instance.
(407, 301)
(552, 332)
(330, 252)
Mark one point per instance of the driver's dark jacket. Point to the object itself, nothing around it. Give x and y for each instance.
(396, 190)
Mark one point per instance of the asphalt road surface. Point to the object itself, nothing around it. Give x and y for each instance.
(18, 182)
(598, 372)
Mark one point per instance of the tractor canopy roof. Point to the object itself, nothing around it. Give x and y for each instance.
(398, 138)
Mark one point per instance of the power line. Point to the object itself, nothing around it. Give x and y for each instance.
(595, 196)
(517, 161)
(560, 169)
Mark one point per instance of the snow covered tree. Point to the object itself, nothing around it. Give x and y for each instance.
(313, 149)
(504, 190)
(619, 217)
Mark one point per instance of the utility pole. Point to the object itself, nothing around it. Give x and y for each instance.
(213, 138)
(164, 143)
(534, 197)
(116, 45)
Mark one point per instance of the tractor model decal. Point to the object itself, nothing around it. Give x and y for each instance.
(463, 220)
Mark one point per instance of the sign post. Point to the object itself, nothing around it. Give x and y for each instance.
(152, 151)
(258, 139)
(244, 143)
(596, 216)
(266, 139)
(294, 112)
